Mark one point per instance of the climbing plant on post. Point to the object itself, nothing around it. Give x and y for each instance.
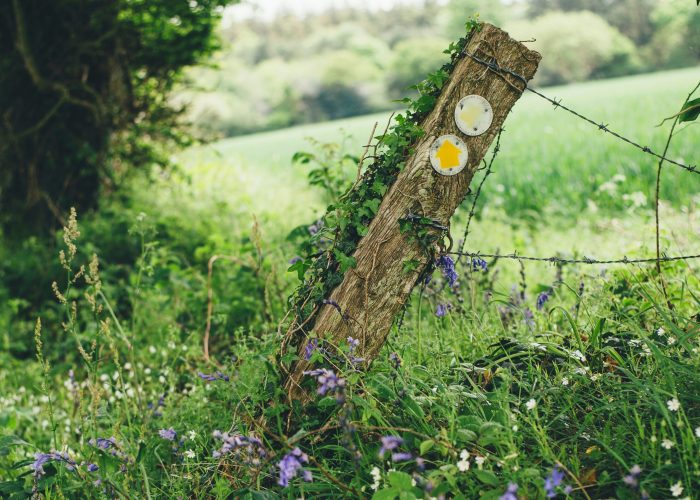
(390, 227)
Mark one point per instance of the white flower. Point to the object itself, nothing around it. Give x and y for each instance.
(579, 355)
(595, 376)
(671, 340)
(677, 489)
(667, 443)
(152, 349)
(661, 331)
(161, 379)
(531, 404)
(565, 381)
(376, 476)
(192, 434)
(479, 460)
(127, 366)
(697, 431)
(515, 428)
(653, 439)
(189, 454)
(171, 345)
(464, 455)
(673, 404)
(463, 465)
(147, 371)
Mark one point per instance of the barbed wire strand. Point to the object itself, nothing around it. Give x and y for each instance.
(582, 260)
(557, 104)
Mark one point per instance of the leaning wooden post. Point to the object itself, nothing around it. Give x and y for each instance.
(433, 183)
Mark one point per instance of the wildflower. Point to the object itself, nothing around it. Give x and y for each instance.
(291, 464)
(246, 449)
(542, 300)
(401, 456)
(668, 444)
(168, 434)
(677, 489)
(191, 435)
(510, 493)
(531, 404)
(41, 459)
(441, 310)
(661, 331)
(673, 404)
(389, 443)
(92, 467)
(395, 360)
(697, 432)
(671, 340)
(216, 376)
(310, 348)
(353, 343)
(479, 460)
(327, 380)
(463, 464)
(189, 454)
(447, 266)
(632, 479)
(478, 263)
(376, 477)
(553, 481)
(529, 317)
(565, 381)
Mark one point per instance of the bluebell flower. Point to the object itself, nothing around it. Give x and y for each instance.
(447, 266)
(327, 380)
(291, 464)
(168, 434)
(542, 299)
(441, 310)
(401, 456)
(309, 349)
(92, 467)
(553, 481)
(389, 443)
(395, 360)
(632, 479)
(246, 449)
(529, 317)
(510, 493)
(479, 264)
(212, 378)
(41, 459)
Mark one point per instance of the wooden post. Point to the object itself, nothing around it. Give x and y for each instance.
(374, 291)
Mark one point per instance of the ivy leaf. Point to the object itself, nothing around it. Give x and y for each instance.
(345, 261)
(691, 110)
(300, 267)
(302, 157)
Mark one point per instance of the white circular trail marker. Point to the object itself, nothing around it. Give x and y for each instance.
(473, 115)
(448, 155)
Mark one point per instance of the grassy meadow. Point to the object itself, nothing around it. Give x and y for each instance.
(525, 382)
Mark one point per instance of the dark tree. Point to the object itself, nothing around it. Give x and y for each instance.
(84, 97)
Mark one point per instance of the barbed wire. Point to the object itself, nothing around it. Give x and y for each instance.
(494, 66)
(582, 260)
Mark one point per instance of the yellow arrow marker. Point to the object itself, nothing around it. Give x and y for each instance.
(448, 154)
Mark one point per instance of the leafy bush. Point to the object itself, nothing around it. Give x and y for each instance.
(413, 59)
(577, 46)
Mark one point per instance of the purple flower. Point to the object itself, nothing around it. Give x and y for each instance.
(211, 378)
(92, 467)
(542, 299)
(632, 479)
(447, 266)
(529, 317)
(168, 434)
(401, 456)
(510, 493)
(310, 348)
(395, 360)
(103, 443)
(246, 449)
(291, 464)
(41, 459)
(315, 228)
(389, 443)
(327, 380)
(553, 481)
(441, 310)
(353, 344)
(479, 263)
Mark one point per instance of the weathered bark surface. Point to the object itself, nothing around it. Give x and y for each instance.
(373, 292)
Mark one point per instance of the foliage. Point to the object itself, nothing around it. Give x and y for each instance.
(84, 100)
(571, 54)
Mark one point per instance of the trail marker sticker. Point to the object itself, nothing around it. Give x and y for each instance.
(448, 155)
(473, 115)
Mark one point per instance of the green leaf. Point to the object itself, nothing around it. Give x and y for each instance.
(302, 157)
(300, 267)
(386, 494)
(487, 477)
(345, 261)
(690, 111)
(7, 442)
(426, 446)
(400, 480)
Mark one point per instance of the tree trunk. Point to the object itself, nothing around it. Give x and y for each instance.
(373, 292)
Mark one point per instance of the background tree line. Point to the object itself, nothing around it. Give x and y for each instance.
(348, 62)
